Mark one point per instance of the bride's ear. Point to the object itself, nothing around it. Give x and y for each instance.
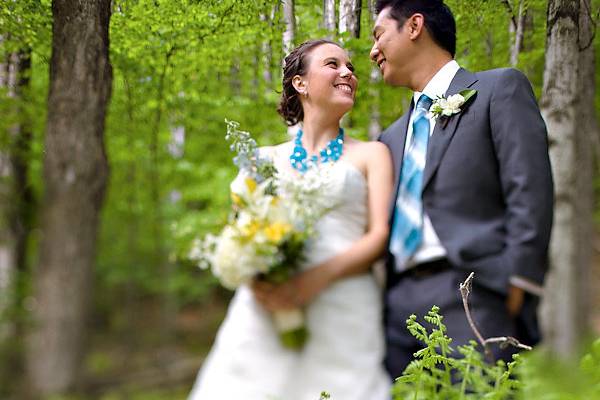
(300, 85)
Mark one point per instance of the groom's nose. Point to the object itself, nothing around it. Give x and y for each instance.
(374, 52)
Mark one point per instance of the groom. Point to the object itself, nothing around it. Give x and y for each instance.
(473, 191)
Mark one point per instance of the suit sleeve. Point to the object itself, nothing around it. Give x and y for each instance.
(521, 144)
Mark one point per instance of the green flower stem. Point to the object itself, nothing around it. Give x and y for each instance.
(294, 339)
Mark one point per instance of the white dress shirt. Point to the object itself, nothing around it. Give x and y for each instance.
(431, 248)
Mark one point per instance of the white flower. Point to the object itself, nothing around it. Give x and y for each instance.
(449, 106)
(202, 251)
(304, 194)
(453, 104)
(236, 263)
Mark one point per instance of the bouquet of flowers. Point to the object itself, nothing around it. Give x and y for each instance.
(273, 216)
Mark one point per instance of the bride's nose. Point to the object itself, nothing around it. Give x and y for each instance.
(345, 72)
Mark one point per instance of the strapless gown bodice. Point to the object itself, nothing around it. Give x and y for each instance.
(347, 220)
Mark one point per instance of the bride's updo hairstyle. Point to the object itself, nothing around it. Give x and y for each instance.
(296, 63)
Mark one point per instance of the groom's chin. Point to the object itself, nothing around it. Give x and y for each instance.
(389, 78)
(392, 80)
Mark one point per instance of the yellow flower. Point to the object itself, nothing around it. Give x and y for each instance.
(251, 184)
(250, 230)
(237, 199)
(276, 231)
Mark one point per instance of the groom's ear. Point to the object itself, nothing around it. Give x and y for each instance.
(414, 25)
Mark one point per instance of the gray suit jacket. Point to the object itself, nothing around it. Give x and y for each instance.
(487, 184)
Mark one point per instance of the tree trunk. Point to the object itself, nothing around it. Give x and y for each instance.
(561, 310)
(349, 24)
(588, 134)
(350, 17)
(235, 82)
(8, 237)
(267, 53)
(289, 18)
(162, 266)
(75, 175)
(15, 193)
(329, 17)
(374, 92)
(517, 31)
(21, 145)
(289, 37)
(130, 303)
(375, 115)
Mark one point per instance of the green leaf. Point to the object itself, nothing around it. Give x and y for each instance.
(467, 94)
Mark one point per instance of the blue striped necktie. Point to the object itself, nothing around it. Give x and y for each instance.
(407, 228)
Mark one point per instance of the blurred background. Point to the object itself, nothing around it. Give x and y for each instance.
(113, 159)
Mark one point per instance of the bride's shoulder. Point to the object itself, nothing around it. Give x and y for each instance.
(368, 148)
(273, 151)
(371, 156)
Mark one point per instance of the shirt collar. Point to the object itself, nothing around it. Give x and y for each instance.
(439, 84)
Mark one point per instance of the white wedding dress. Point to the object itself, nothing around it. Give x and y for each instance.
(344, 353)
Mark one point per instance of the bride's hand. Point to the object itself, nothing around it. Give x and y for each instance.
(297, 292)
(308, 284)
(273, 297)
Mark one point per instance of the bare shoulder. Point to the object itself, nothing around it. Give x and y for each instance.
(364, 145)
(370, 150)
(368, 156)
(274, 149)
(377, 147)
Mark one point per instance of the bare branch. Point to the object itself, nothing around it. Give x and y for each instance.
(504, 341)
(465, 290)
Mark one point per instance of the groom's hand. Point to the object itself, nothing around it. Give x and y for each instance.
(514, 301)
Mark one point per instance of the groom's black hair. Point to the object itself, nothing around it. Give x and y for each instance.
(439, 20)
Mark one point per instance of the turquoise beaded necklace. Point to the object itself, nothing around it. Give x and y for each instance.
(332, 152)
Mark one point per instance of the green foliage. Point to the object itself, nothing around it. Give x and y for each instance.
(436, 373)
(171, 60)
(547, 377)
(180, 68)
(26, 24)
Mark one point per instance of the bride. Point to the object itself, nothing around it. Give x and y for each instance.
(345, 350)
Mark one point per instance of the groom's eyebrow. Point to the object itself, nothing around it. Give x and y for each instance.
(374, 32)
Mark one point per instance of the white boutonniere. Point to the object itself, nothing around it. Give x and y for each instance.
(448, 106)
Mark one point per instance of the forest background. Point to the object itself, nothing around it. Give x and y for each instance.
(96, 296)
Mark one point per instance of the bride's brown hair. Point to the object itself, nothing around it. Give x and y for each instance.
(296, 63)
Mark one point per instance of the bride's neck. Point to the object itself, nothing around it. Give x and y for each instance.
(318, 131)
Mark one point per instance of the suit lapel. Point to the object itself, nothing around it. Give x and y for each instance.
(397, 143)
(443, 132)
